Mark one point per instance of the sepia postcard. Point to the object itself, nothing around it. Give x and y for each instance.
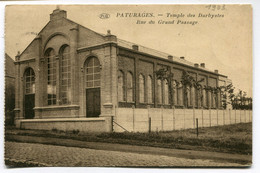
(154, 86)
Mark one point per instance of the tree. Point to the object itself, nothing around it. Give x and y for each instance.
(165, 73)
(187, 80)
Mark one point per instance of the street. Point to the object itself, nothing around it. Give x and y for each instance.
(51, 155)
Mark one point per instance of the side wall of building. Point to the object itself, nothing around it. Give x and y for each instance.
(143, 64)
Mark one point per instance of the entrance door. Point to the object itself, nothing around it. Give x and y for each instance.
(93, 102)
(28, 106)
(29, 90)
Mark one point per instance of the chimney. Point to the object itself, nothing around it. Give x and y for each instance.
(170, 57)
(196, 65)
(202, 65)
(110, 37)
(58, 14)
(182, 57)
(216, 71)
(135, 47)
(108, 32)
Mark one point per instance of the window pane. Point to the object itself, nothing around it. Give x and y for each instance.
(51, 87)
(166, 92)
(121, 86)
(129, 87)
(96, 62)
(149, 90)
(141, 88)
(96, 69)
(92, 73)
(29, 84)
(65, 75)
(96, 83)
(159, 91)
(90, 84)
(96, 76)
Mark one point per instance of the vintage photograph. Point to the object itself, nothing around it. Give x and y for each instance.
(128, 86)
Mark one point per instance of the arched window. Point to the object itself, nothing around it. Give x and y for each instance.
(188, 94)
(141, 88)
(174, 86)
(29, 81)
(180, 94)
(166, 92)
(129, 78)
(149, 90)
(92, 73)
(193, 96)
(65, 71)
(51, 87)
(209, 99)
(121, 86)
(204, 98)
(213, 100)
(159, 91)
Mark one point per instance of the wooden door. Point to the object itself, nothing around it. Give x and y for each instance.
(29, 101)
(93, 102)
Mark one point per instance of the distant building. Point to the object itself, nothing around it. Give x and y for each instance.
(70, 71)
(9, 90)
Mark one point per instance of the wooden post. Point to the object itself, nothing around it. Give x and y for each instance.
(217, 116)
(224, 119)
(193, 117)
(184, 118)
(133, 118)
(197, 125)
(112, 123)
(209, 117)
(229, 116)
(150, 124)
(235, 116)
(173, 117)
(202, 117)
(245, 115)
(240, 115)
(162, 118)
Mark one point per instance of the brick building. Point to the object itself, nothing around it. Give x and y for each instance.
(9, 90)
(70, 73)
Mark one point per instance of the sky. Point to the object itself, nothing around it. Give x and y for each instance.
(223, 43)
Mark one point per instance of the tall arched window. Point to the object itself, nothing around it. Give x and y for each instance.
(209, 99)
(180, 94)
(193, 96)
(51, 87)
(141, 88)
(188, 94)
(149, 89)
(65, 71)
(159, 91)
(130, 94)
(204, 98)
(166, 92)
(213, 100)
(29, 81)
(92, 73)
(174, 86)
(121, 86)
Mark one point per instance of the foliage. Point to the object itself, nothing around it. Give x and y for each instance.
(238, 101)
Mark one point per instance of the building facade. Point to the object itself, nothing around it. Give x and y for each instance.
(71, 72)
(9, 90)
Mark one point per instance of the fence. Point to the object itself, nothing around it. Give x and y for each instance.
(137, 120)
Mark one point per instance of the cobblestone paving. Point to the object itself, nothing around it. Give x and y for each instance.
(50, 155)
